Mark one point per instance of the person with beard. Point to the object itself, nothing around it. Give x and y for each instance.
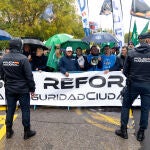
(94, 60)
(68, 63)
(130, 45)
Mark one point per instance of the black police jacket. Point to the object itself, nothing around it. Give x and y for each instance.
(137, 64)
(16, 72)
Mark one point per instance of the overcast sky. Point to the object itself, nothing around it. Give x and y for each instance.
(106, 21)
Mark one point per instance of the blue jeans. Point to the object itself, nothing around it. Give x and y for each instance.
(24, 101)
(132, 92)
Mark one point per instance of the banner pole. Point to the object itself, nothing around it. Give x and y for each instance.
(112, 16)
(121, 8)
(129, 29)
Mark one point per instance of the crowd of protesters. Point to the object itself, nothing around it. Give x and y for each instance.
(93, 60)
(71, 60)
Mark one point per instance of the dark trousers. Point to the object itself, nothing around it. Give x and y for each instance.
(132, 92)
(24, 101)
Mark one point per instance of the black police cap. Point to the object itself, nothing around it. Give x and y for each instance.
(144, 35)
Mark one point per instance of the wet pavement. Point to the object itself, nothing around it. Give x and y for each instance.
(145, 143)
(76, 129)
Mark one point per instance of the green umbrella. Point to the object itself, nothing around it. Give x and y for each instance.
(51, 42)
(58, 39)
(111, 44)
(75, 43)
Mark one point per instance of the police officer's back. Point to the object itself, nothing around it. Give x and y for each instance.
(16, 72)
(136, 69)
(137, 64)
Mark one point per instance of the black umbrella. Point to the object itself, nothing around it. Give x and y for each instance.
(35, 43)
(100, 37)
(4, 35)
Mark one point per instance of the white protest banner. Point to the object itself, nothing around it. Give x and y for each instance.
(2, 93)
(79, 89)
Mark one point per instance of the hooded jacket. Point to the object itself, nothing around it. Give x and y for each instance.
(137, 64)
(16, 71)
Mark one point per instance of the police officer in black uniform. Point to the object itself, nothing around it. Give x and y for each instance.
(137, 71)
(16, 72)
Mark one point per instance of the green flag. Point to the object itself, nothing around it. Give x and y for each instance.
(145, 29)
(52, 59)
(134, 37)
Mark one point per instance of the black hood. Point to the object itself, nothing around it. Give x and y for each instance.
(143, 48)
(15, 45)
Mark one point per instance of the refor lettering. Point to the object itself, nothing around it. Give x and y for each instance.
(94, 82)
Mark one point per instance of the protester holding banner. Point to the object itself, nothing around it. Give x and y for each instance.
(94, 59)
(39, 61)
(15, 71)
(120, 59)
(82, 60)
(137, 71)
(108, 59)
(68, 63)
